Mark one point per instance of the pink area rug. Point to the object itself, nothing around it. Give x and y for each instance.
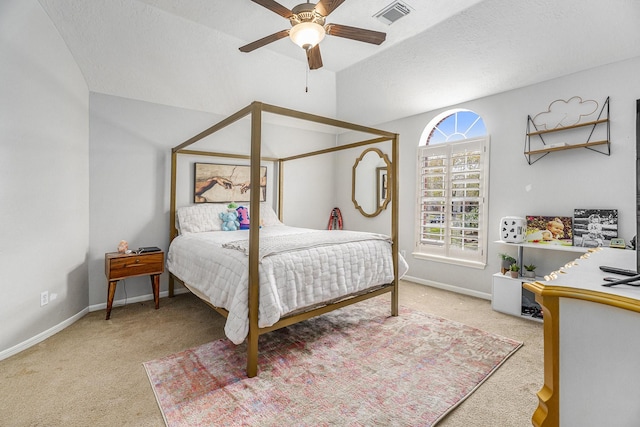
(356, 366)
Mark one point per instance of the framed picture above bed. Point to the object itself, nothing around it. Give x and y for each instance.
(222, 183)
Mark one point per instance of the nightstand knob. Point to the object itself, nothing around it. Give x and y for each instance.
(137, 261)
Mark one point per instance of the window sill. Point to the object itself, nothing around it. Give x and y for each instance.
(448, 260)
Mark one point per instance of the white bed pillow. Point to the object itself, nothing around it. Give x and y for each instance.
(200, 218)
(206, 217)
(268, 216)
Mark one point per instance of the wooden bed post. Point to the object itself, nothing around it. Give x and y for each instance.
(173, 232)
(394, 221)
(280, 189)
(254, 240)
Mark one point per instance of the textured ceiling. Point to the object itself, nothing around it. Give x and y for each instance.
(248, 21)
(185, 52)
(489, 49)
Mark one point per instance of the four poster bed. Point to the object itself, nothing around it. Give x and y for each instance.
(272, 275)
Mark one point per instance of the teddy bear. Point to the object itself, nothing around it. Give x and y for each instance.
(229, 220)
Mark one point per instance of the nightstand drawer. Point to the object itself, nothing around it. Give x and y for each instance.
(135, 265)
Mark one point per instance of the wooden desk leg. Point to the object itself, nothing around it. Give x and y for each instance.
(548, 412)
(155, 284)
(110, 293)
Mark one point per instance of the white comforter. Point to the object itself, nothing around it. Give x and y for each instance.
(320, 268)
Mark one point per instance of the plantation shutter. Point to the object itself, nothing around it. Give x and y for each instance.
(452, 200)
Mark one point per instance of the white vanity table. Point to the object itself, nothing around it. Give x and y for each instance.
(591, 344)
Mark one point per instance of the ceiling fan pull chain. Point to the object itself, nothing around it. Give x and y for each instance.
(306, 87)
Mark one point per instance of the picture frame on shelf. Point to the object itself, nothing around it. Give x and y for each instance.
(549, 230)
(594, 228)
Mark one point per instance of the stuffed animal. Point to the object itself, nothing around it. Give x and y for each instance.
(243, 217)
(229, 220)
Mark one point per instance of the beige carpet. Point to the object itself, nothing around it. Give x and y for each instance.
(92, 374)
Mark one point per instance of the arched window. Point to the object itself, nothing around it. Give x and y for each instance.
(453, 167)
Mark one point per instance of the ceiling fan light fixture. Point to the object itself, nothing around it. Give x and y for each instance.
(307, 34)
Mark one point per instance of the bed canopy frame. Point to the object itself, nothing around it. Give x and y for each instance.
(255, 110)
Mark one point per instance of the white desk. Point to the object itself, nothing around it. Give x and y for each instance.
(591, 345)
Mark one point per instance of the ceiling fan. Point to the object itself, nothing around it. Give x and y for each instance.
(308, 28)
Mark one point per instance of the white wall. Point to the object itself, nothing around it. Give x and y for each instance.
(558, 183)
(130, 158)
(44, 172)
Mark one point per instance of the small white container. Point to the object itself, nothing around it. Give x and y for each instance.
(512, 229)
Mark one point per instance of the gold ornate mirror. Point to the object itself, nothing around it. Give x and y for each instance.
(370, 183)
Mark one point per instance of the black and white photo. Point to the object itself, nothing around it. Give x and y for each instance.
(594, 228)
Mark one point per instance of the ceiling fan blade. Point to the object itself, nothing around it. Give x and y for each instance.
(314, 58)
(353, 33)
(275, 7)
(325, 7)
(264, 41)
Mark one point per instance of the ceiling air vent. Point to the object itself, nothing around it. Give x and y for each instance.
(393, 12)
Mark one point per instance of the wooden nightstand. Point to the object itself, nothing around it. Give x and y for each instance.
(119, 266)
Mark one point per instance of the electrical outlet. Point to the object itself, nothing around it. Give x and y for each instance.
(44, 298)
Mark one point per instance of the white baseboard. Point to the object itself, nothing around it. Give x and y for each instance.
(139, 298)
(43, 335)
(447, 287)
(60, 326)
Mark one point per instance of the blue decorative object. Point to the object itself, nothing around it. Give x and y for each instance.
(229, 220)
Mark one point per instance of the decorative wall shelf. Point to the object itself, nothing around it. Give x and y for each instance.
(601, 146)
